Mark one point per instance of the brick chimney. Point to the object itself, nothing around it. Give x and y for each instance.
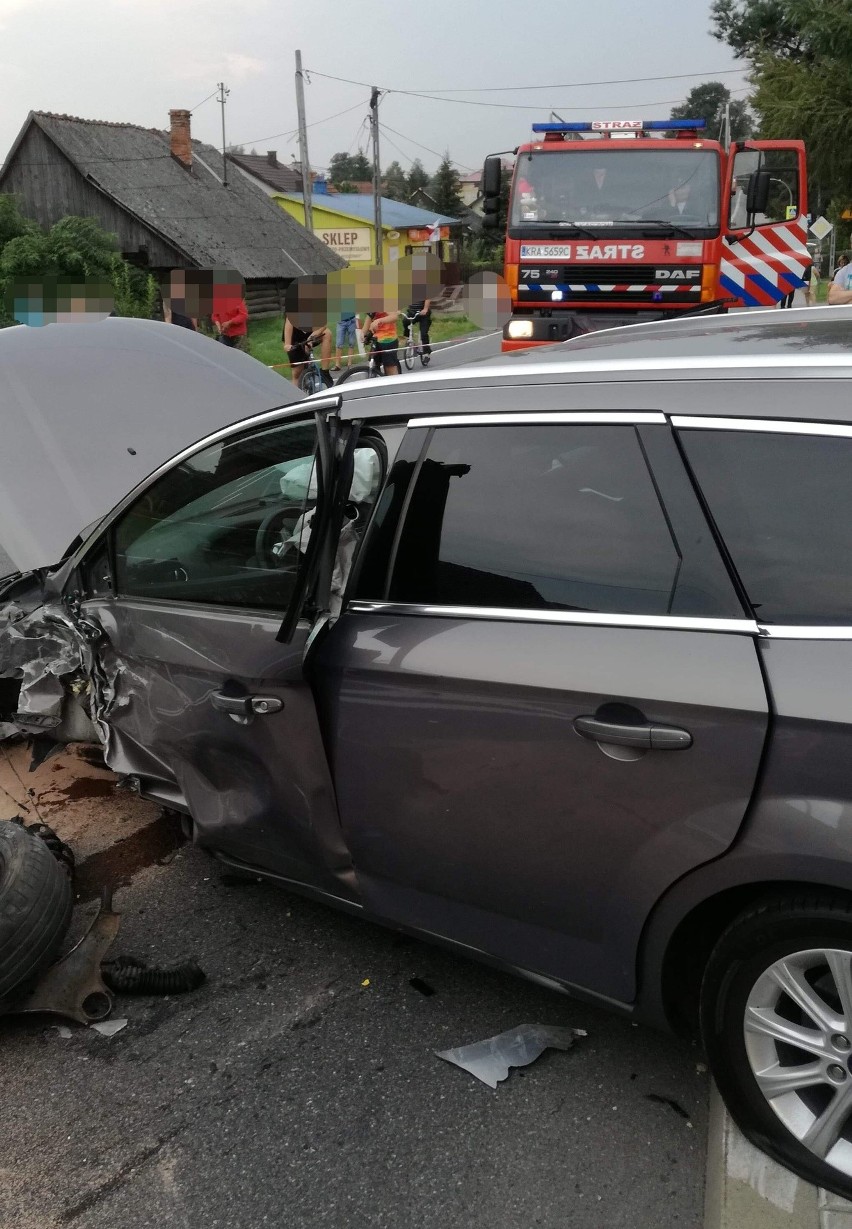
(181, 143)
(272, 157)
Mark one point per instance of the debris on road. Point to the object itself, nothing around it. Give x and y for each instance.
(669, 1101)
(108, 1028)
(490, 1060)
(130, 975)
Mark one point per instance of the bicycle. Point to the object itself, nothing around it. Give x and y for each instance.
(413, 349)
(310, 381)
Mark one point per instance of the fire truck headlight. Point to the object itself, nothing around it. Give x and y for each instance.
(519, 329)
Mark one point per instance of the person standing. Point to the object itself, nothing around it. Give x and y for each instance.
(840, 290)
(230, 314)
(811, 286)
(421, 310)
(347, 339)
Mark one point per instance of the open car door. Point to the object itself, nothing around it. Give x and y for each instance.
(765, 258)
(207, 589)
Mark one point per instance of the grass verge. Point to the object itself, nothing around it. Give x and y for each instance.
(265, 338)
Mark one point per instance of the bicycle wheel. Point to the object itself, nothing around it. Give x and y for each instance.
(360, 372)
(408, 355)
(310, 381)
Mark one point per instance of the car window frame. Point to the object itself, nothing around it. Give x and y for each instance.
(775, 426)
(75, 577)
(659, 472)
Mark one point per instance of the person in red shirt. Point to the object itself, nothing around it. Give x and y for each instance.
(230, 314)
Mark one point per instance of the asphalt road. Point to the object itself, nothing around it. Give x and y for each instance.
(288, 1092)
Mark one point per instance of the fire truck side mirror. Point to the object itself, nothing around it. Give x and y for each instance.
(757, 197)
(492, 174)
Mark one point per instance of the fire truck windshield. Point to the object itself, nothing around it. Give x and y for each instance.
(617, 186)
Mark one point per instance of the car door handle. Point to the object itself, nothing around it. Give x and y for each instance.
(245, 706)
(648, 737)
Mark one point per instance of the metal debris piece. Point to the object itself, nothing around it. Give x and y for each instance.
(490, 1060)
(108, 1028)
(73, 987)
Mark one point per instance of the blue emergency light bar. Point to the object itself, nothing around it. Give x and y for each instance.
(623, 125)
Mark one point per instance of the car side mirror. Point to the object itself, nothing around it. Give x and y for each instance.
(492, 175)
(757, 197)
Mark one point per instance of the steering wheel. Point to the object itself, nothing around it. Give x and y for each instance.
(269, 534)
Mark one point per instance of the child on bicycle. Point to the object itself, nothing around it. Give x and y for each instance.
(421, 310)
(298, 344)
(381, 332)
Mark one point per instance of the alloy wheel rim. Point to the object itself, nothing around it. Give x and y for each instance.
(798, 1040)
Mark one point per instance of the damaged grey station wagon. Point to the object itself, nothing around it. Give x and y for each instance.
(548, 659)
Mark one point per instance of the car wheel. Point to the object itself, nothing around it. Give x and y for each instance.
(35, 906)
(776, 1018)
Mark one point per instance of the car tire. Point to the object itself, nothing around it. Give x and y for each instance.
(776, 1020)
(35, 906)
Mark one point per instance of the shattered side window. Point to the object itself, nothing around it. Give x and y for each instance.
(224, 526)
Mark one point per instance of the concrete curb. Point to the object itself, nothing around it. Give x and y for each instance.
(744, 1189)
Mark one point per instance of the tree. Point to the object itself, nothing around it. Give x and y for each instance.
(73, 249)
(749, 26)
(801, 57)
(348, 167)
(445, 189)
(708, 102)
(395, 183)
(417, 178)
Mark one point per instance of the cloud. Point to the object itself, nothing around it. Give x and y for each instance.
(11, 8)
(232, 68)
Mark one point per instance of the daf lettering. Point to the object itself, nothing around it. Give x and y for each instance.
(676, 275)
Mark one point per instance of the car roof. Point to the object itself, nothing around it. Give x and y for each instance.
(814, 341)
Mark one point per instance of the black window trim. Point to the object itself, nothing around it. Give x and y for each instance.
(776, 426)
(746, 625)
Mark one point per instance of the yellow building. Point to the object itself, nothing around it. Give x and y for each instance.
(344, 222)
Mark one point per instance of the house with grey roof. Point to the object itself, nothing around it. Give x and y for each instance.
(168, 199)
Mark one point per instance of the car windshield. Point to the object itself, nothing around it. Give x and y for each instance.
(678, 187)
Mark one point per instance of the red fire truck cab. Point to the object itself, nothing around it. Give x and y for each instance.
(616, 221)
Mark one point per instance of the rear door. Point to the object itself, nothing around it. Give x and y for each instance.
(201, 695)
(545, 704)
(765, 258)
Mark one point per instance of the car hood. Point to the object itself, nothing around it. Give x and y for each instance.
(89, 410)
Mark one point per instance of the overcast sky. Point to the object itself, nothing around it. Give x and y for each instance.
(131, 60)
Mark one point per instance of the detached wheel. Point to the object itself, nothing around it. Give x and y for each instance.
(35, 906)
(776, 1017)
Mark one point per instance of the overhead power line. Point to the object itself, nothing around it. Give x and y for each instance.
(293, 131)
(565, 85)
(475, 102)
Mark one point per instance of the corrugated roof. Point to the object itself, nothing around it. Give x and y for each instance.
(395, 214)
(276, 174)
(237, 227)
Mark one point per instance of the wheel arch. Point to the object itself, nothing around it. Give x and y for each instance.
(687, 923)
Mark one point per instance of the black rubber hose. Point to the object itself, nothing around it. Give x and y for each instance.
(62, 852)
(129, 975)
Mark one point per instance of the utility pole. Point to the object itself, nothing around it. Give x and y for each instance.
(728, 124)
(377, 173)
(303, 144)
(222, 99)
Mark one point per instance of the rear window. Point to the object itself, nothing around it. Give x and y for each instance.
(783, 504)
(536, 517)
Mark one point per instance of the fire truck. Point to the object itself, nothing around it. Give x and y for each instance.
(617, 221)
